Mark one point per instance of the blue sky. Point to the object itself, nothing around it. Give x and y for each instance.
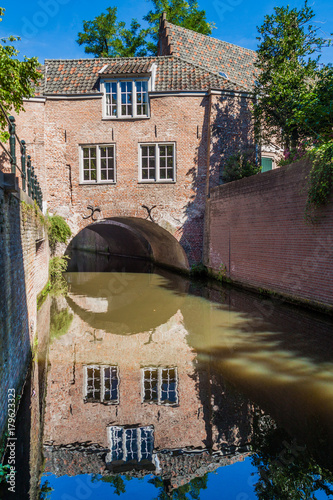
(49, 28)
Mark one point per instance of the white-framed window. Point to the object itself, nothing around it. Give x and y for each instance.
(126, 98)
(131, 443)
(101, 384)
(160, 385)
(157, 162)
(97, 163)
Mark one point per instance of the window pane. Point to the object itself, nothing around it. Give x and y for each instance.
(92, 152)
(163, 174)
(111, 383)
(123, 110)
(103, 175)
(117, 435)
(170, 150)
(152, 151)
(131, 444)
(86, 175)
(168, 386)
(85, 152)
(93, 175)
(170, 174)
(147, 443)
(150, 385)
(93, 383)
(145, 174)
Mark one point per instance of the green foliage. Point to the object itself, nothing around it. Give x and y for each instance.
(60, 321)
(286, 469)
(17, 79)
(193, 489)
(58, 230)
(314, 111)
(45, 491)
(291, 86)
(4, 470)
(239, 165)
(199, 270)
(116, 481)
(58, 265)
(179, 12)
(106, 37)
(320, 178)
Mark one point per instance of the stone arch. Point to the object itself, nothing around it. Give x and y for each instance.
(133, 237)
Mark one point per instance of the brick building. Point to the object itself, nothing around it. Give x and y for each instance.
(142, 137)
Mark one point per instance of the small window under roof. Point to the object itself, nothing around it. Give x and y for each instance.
(224, 75)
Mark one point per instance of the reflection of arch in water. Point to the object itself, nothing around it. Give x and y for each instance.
(125, 303)
(133, 237)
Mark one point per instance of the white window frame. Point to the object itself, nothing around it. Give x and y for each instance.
(157, 163)
(113, 429)
(134, 98)
(98, 164)
(102, 390)
(159, 385)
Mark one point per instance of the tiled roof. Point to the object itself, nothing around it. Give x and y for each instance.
(217, 56)
(81, 76)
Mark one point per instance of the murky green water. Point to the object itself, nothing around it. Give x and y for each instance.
(150, 386)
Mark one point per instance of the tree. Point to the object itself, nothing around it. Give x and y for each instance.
(179, 12)
(288, 63)
(17, 79)
(286, 469)
(106, 37)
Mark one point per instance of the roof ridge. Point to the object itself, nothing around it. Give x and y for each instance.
(210, 37)
(205, 68)
(106, 59)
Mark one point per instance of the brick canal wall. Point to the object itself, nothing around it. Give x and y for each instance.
(24, 257)
(257, 232)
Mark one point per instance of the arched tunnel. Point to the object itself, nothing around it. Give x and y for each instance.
(132, 237)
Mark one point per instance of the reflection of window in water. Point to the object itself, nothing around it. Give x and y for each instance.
(101, 384)
(134, 443)
(160, 385)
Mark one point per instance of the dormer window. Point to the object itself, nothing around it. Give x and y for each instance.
(126, 99)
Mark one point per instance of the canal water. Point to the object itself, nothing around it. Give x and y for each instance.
(147, 385)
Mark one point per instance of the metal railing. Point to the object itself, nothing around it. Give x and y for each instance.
(29, 179)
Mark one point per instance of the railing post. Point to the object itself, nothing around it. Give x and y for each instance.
(12, 140)
(24, 175)
(36, 188)
(32, 177)
(29, 174)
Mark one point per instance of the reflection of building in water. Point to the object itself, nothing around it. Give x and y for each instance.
(138, 403)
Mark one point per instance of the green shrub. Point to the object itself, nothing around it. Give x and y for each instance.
(60, 321)
(320, 178)
(58, 230)
(239, 165)
(58, 265)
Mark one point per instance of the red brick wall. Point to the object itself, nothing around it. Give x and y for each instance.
(69, 123)
(23, 274)
(257, 230)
